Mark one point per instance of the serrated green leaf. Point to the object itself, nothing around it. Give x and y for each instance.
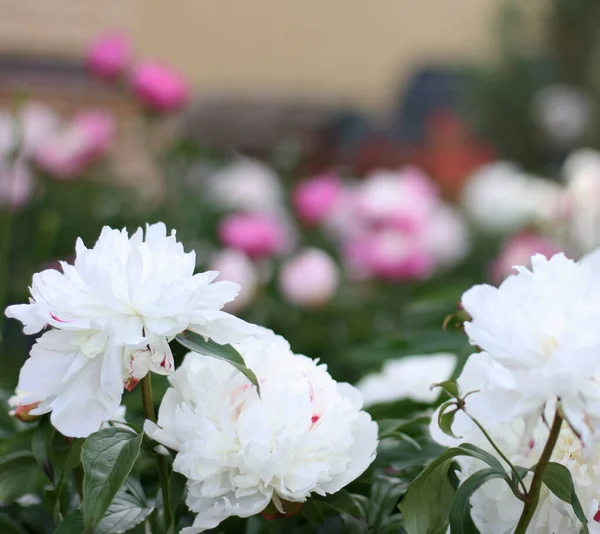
(128, 509)
(199, 344)
(560, 482)
(449, 386)
(20, 474)
(460, 518)
(72, 524)
(108, 457)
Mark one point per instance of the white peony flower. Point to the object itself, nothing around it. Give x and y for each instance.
(501, 198)
(540, 327)
(409, 377)
(495, 509)
(114, 312)
(305, 434)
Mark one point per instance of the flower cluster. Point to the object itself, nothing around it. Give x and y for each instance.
(538, 362)
(305, 434)
(393, 225)
(112, 314)
(35, 135)
(157, 86)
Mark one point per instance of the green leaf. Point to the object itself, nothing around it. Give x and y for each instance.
(41, 445)
(178, 484)
(128, 509)
(342, 502)
(446, 419)
(72, 524)
(9, 526)
(460, 517)
(108, 457)
(20, 474)
(312, 512)
(426, 505)
(72, 461)
(559, 481)
(197, 343)
(390, 427)
(449, 386)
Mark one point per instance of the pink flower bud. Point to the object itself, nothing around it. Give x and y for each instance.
(159, 87)
(69, 152)
(517, 250)
(109, 55)
(235, 266)
(254, 234)
(310, 279)
(315, 199)
(22, 412)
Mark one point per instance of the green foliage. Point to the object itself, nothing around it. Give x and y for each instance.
(108, 457)
(199, 344)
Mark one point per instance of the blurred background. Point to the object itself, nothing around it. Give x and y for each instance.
(354, 166)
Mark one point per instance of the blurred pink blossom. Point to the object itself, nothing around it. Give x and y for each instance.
(403, 198)
(109, 55)
(310, 279)
(159, 87)
(254, 234)
(68, 153)
(517, 250)
(315, 199)
(389, 255)
(235, 266)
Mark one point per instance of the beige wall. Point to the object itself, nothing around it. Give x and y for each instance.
(349, 50)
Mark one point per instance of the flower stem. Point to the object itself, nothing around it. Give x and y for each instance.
(532, 498)
(499, 451)
(163, 471)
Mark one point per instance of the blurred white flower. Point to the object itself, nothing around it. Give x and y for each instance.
(494, 508)
(246, 185)
(305, 434)
(408, 377)
(310, 279)
(501, 198)
(114, 312)
(581, 171)
(540, 326)
(235, 266)
(20, 137)
(563, 113)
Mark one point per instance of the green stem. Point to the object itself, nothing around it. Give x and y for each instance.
(499, 451)
(163, 471)
(533, 497)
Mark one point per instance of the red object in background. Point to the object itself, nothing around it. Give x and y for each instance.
(449, 153)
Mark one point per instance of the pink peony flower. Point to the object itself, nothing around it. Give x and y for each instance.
(254, 234)
(87, 137)
(109, 55)
(310, 279)
(389, 255)
(518, 250)
(404, 198)
(159, 87)
(315, 199)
